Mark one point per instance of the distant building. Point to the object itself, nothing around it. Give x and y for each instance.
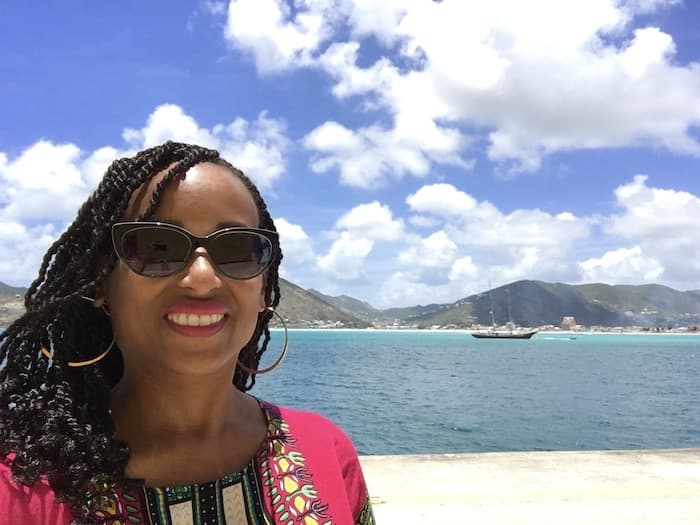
(568, 322)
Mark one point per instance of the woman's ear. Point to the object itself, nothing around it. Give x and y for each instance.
(100, 301)
(101, 293)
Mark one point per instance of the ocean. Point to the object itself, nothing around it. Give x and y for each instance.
(414, 392)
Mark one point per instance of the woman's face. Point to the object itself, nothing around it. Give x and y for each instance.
(147, 313)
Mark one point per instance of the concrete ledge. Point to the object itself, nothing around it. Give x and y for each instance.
(592, 487)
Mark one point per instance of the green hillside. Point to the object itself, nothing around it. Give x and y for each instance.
(532, 303)
(350, 305)
(302, 308)
(537, 303)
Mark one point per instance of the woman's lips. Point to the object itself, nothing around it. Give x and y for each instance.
(196, 318)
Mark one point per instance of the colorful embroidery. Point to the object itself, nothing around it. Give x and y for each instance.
(294, 499)
(124, 508)
(276, 487)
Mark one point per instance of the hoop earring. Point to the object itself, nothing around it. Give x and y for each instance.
(78, 364)
(274, 365)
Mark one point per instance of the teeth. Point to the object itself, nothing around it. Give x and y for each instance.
(194, 319)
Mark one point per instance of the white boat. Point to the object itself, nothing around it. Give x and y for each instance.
(509, 331)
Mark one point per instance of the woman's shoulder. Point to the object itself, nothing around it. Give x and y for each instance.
(304, 420)
(311, 430)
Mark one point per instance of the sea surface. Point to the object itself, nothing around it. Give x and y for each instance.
(411, 392)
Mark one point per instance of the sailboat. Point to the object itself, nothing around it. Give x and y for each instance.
(509, 332)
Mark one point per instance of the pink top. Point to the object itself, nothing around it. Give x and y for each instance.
(305, 472)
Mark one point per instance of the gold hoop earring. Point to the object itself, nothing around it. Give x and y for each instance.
(78, 364)
(274, 365)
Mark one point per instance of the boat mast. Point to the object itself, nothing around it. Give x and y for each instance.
(510, 316)
(493, 319)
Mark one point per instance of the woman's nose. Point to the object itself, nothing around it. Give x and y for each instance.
(201, 273)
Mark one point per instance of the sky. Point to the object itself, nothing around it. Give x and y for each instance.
(410, 151)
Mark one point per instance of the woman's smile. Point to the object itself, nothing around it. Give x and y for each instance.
(197, 318)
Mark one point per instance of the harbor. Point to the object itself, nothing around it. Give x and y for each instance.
(656, 487)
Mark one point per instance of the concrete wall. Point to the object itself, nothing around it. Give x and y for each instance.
(594, 487)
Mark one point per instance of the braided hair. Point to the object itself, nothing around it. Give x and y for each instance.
(55, 419)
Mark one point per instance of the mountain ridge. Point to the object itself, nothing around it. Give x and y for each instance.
(526, 302)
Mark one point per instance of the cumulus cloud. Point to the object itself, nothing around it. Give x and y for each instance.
(257, 147)
(296, 244)
(422, 221)
(374, 221)
(345, 260)
(482, 224)
(356, 234)
(525, 243)
(278, 36)
(21, 250)
(433, 256)
(404, 288)
(367, 157)
(622, 266)
(43, 183)
(528, 79)
(42, 188)
(662, 224)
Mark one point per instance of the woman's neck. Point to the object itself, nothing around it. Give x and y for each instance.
(187, 430)
(177, 405)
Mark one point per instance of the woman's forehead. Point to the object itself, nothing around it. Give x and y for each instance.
(206, 184)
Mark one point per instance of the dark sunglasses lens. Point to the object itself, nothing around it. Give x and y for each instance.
(155, 251)
(241, 255)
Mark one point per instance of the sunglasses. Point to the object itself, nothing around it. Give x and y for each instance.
(156, 249)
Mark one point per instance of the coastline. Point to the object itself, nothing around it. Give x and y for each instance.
(468, 331)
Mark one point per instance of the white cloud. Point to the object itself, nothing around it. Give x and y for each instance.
(654, 214)
(356, 233)
(276, 38)
(443, 200)
(648, 48)
(296, 244)
(525, 243)
(529, 78)
(422, 221)
(256, 147)
(436, 251)
(168, 122)
(43, 183)
(346, 258)
(21, 250)
(373, 221)
(429, 260)
(404, 288)
(622, 266)
(367, 157)
(663, 226)
(482, 224)
(42, 188)
(463, 269)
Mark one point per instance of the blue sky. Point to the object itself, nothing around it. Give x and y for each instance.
(411, 151)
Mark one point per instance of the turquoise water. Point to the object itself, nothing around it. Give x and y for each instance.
(434, 392)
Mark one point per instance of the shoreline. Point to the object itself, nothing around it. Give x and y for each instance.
(468, 331)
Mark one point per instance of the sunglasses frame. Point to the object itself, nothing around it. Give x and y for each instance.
(120, 229)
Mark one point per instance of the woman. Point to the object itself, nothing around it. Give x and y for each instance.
(122, 397)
